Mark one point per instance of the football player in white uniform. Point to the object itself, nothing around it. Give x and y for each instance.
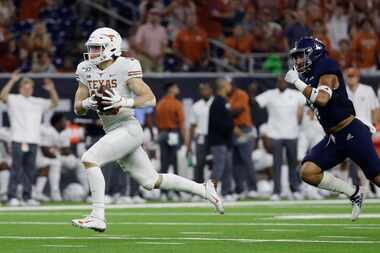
(5, 162)
(55, 153)
(104, 66)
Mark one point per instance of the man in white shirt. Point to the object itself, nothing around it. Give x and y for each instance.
(199, 116)
(366, 107)
(151, 41)
(25, 115)
(285, 111)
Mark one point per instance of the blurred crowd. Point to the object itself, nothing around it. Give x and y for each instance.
(250, 141)
(48, 35)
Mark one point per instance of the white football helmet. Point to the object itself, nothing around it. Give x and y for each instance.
(102, 45)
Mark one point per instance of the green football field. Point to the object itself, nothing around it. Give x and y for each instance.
(307, 226)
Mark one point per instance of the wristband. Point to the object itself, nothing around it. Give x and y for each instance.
(86, 104)
(129, 102)
(300, 85)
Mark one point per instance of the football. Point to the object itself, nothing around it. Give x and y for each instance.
(101, 92)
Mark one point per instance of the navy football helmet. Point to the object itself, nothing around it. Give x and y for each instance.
(306, 51)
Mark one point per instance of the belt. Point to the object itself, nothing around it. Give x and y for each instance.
(341, 125)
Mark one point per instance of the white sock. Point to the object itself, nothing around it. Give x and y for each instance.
(40, 184)
(174, 182)
(97, 188)
(331, 183)
(82, 178)
(4, 181)
(54, 177)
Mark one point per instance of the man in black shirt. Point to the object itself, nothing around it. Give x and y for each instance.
(220, 136)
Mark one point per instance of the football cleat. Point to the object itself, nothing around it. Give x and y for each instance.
(357, 202)
(90, 222)
(213, 197)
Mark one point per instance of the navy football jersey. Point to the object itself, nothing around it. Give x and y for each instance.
(339, 106)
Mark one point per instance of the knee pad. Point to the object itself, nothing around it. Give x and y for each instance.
(89, 157)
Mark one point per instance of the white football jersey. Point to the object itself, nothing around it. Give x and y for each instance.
(50, 137)
(114, 76)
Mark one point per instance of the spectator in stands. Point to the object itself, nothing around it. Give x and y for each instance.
(151, 41)
(8, 59)
(211, 14)
(25, 113)
(40, 39)
(295, 27)
(319, 32)
(249, 19)
(241, 41)
(30, 9)
(220, 131)
(258, 38)
(366, 47)
(243, 141)
(177, 13)
(199, 117)
(337, 26)
(285, 111)
(273, 37)
(170, 122)
(344, 55)
(191, 46)
(42, 63)
(313, 12)
(240, 8)
(7, 12)
(147, 5)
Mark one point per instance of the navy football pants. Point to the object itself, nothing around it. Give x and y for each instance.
(355, 142)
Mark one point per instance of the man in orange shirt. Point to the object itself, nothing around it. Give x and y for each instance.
(241, 41)
(366, 47)
(243, 170)
(170, 121)
(191, 45)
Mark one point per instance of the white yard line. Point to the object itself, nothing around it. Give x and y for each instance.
(161, 243)
(43, 213)
(199, 233)
(325, 216)
(187, 204)
(241, 240)
(63, 246)
(343, 236)
(282, 230)
(371, 228)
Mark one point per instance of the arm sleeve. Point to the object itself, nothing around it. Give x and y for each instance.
(79, 75)
(134, 69)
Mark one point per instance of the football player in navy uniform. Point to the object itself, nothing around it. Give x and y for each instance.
(320, 80)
